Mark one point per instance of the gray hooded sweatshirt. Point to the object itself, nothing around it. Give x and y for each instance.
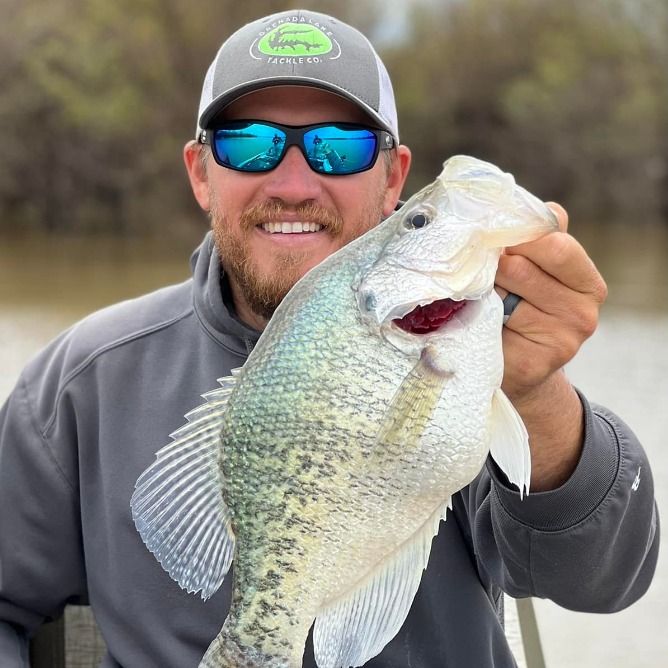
(89, 413)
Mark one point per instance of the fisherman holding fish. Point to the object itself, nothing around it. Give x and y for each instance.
(331, 500)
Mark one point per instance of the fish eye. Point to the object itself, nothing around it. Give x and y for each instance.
(417, 221)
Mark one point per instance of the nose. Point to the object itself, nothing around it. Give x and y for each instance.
(293, 181)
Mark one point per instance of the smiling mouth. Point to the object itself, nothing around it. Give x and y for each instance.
(290, 228)
(430, 317)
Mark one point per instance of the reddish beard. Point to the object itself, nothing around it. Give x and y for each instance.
(263, 293)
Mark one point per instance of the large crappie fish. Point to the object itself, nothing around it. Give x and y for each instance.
(324, 466)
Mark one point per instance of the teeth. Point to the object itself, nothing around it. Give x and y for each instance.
(291, 228)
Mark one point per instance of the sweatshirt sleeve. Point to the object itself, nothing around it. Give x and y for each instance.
(41, 562)
(590, 545)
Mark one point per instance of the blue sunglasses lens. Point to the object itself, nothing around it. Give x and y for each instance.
(329, 149)
(251, 147)
(336, 150)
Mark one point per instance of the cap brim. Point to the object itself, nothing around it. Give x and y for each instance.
(224, 100)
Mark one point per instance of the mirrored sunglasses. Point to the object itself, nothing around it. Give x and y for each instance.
(329, 148)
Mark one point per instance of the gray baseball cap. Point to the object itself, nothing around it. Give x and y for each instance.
(303, 48)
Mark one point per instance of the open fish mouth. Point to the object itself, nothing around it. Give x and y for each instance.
(429, 317)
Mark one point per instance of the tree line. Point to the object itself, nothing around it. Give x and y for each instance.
(98, 98)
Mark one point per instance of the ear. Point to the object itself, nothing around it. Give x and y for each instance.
(197, 172)
(401, 163)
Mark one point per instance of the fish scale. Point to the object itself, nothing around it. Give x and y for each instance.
(331, 456)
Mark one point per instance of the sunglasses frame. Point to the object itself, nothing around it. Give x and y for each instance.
(294, 136)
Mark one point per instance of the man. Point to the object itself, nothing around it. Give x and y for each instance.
(89, 413)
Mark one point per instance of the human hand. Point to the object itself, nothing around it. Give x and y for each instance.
(562, 292)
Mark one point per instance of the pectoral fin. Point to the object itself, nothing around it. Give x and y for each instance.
(510, 442)
(412, 405)
(178, 507)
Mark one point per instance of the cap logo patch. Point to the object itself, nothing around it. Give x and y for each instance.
(295, 40)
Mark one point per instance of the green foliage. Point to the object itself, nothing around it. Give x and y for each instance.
(569, 96)
(99, 98)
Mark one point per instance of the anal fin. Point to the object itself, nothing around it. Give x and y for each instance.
(358, 625)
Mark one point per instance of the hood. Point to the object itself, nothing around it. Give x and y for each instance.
(215, 311)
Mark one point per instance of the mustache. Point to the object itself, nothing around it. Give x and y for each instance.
(273, 211)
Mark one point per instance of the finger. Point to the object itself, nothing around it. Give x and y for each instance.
(536, 344)
(550, 315)
(561, 256)
(501, 291)
(519, 275)
(560, 213)
(528, 361)
(561, 323)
